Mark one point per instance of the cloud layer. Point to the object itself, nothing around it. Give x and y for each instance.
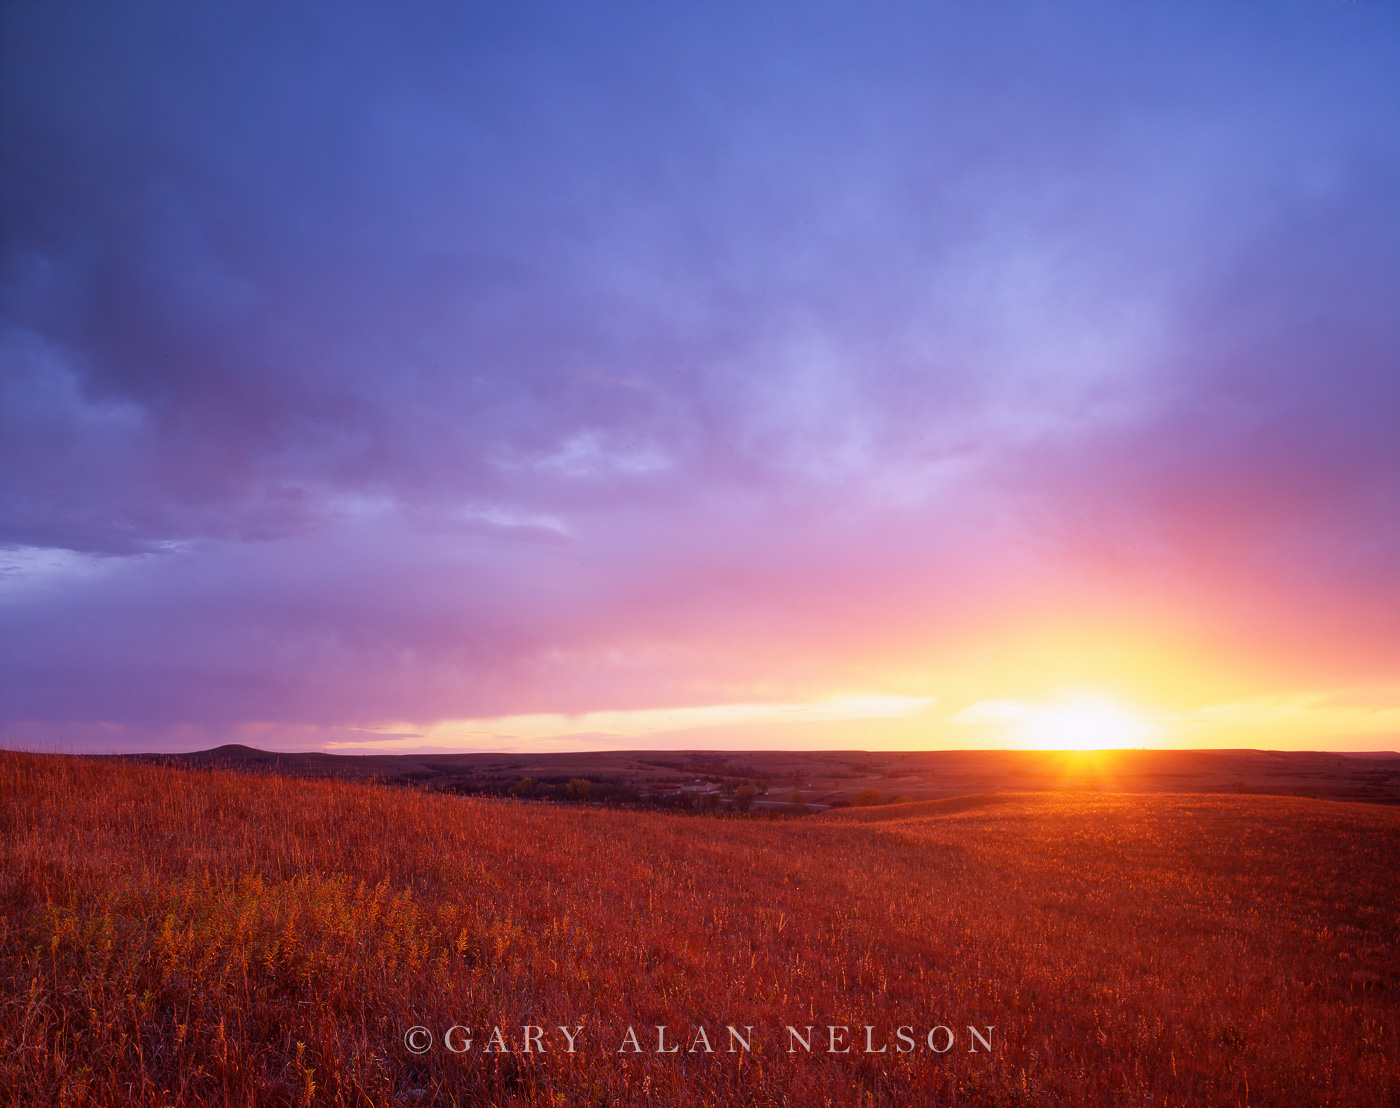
(363, 365)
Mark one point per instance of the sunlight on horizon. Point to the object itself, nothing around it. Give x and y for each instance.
(1082, 723)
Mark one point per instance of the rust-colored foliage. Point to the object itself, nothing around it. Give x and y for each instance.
(171, 937)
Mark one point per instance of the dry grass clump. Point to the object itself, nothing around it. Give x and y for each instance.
(171, 937)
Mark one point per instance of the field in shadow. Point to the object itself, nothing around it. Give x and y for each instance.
(838, 777)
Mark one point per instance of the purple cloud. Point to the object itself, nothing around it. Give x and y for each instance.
(362, 365)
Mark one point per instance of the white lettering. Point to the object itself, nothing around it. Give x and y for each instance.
(661, 1041)
(806, 1043)
(570, 1036)
(447, 1039)
(976, 1037)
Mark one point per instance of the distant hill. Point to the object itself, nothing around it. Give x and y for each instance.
(837, 777)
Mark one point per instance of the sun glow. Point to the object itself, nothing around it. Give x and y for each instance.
(1086, 724)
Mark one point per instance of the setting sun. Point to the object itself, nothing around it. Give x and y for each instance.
(1086, 724)
(1081, 723)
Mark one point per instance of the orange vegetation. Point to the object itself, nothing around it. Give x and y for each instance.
(179, 937)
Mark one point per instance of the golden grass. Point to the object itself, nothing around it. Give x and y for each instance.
(170, 937)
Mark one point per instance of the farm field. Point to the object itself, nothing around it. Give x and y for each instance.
(177, 936)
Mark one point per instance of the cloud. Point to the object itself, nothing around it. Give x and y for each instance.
(361, 365)
(658, 723)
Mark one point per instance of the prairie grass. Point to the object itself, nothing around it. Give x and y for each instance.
(174, 937)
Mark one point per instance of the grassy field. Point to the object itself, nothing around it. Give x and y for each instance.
(174, 937)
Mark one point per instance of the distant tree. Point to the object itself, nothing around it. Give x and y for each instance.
(900, 799)
(798, 801)
(866, 798)
(743, 798)
(578, 788)
(521, 787)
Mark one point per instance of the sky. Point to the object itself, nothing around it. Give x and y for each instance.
(586, 376)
